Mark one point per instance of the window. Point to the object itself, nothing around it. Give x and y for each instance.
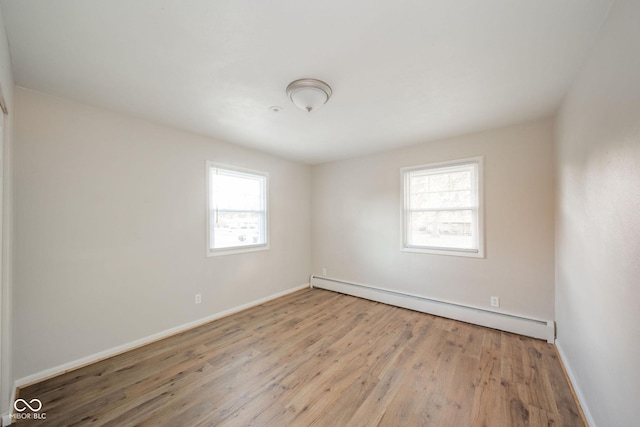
(442, 212)
(236, 211)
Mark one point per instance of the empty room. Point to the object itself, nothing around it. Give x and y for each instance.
(341, 213)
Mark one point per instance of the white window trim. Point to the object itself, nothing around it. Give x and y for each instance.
(234, 250)
(473, 253)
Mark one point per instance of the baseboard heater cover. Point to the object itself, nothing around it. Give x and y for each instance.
(536, 328)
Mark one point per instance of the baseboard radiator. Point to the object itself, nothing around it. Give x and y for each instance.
(536, 328)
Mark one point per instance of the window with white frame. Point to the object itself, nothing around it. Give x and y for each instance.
(442, 210)
(237, 210)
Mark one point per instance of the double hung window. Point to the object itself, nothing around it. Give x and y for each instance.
(237, 210)
(442, 209)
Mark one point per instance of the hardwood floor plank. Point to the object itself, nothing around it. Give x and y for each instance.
(459, 398)
(373, 408)
(319, 358)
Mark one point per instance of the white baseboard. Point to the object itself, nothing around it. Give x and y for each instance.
(48, 373)
(575, 385)
(5, 417)
(536, 328)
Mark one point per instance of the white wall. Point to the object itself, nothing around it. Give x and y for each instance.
(6, 370)
(598, 223)
(110, 231)
(357, 223)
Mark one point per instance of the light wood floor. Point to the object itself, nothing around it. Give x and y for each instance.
(318, 358)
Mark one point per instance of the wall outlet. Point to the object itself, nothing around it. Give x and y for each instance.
(324, 271)
(198, 298)
(495, 302)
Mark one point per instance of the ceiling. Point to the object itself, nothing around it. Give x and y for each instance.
(402, 72)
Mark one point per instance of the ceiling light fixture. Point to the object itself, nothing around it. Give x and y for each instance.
(309, 94)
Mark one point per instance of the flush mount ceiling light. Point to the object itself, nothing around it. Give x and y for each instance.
(309, 94)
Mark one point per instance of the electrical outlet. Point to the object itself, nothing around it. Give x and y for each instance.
(324, 271)
(198, 298)
(495, 301)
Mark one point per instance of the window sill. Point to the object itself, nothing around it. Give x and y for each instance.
(237, 250)
(469, 253)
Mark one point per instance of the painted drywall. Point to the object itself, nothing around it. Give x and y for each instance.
(6, 370)
(356, 223)
(110, 231)
(598, 223)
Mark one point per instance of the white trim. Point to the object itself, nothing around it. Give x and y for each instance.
(65, 367)
(472, 253)
(6, 419)
(478, 252)
(236, 249)
(6, 280)
(575, 385)
(532, 327)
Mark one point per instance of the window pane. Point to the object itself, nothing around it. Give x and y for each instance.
(461, 180)
(442, 199)
(236, 192)
(439, 182)
(442, 229)
(451, 189)
(236, 229)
